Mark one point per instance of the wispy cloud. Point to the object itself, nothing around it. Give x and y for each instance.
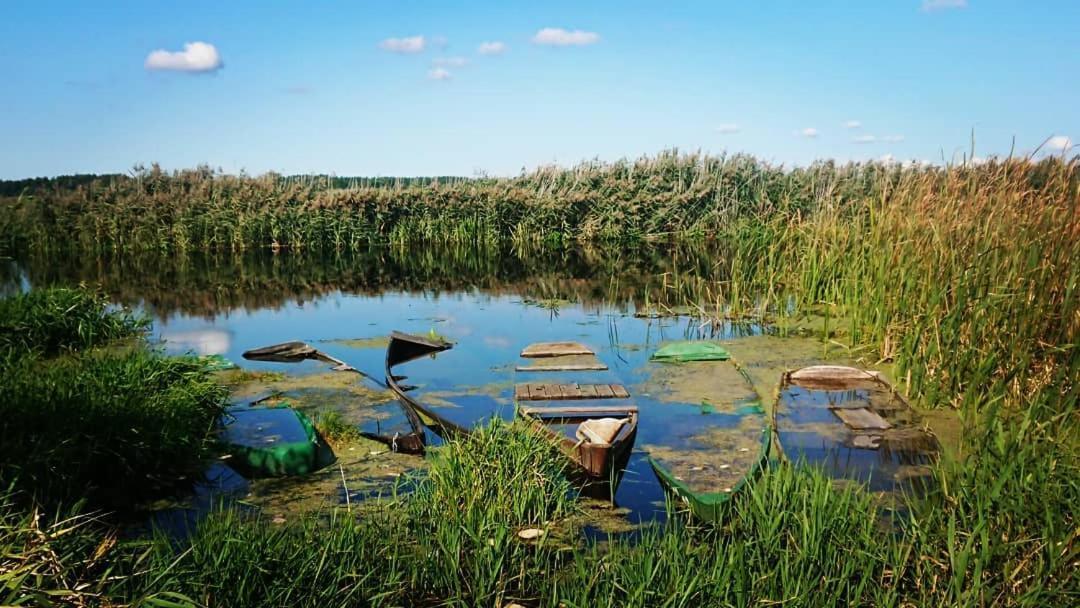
(557, 36)
(728, 128)
(864, 139)
(439, 74)
(196, 57)
(450, 62)
(491, 48)
(408, 45)
(941, 5)
(1059, 143)
(893, 138)
(809, 132)
(852, 124)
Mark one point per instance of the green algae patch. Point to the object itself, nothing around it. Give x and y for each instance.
(716, 386)
(380, 342)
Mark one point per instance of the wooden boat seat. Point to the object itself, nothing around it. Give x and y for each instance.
(531, 391)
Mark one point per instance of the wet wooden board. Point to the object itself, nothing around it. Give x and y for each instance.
(579, 410)
(556, 349)
(861, 419)
(574, 367)
(552, 392)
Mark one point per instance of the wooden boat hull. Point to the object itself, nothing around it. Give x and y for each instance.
(402, 349)
(854, 424)
(596, 468)
(709, 506)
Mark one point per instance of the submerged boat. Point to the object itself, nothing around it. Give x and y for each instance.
(597, 439)
(730, 446)
(270, 441)
(402, 349)
(854, 424)
(597, 432)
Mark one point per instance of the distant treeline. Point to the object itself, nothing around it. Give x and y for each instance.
(42, 185)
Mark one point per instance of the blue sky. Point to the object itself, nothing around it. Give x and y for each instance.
(351, 88)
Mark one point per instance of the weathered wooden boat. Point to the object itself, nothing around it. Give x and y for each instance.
(707, 504)
(597, 432)
(402, 349)
(295, 352)
(598, 440)
(721, 458)
(853, 423)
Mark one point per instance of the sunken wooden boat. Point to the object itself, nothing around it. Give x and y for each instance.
(593, 424)
(855, 424)
(295, 352)
(719, 459)
(598, 440)
(402, 349)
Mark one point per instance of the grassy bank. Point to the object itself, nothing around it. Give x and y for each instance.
(793, 538)
(86, 419)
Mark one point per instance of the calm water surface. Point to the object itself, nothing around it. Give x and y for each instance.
(490, 310)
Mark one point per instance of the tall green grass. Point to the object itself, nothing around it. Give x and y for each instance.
(109, 427)
(49, 321)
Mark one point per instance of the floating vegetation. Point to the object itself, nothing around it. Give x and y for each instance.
(715, 385)
(379, 342)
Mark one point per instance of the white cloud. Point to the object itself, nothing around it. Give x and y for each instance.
(196, 57)
(440, 42)
(439, 74)
(852, 124)
(491, 48)
(450, 62)
(556, 36)
(940, 5)
(411, 44)
(728, 128)
(1059, 143)
(888, 159)
(864, 139)
(807, 132)
(893, 138)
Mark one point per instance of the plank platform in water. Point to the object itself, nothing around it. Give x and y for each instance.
(555, 349)
(552, 392)
(861, 419)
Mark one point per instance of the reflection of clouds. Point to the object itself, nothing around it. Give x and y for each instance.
(497, 342)
(199, 341)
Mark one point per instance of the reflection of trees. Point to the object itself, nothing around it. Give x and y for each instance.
(206, 284)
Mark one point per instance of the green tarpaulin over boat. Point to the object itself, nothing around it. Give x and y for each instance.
(691, 351)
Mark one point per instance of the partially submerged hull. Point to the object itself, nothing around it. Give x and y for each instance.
(709, 506)
(854, 424)
(402, 349)
(728, 450)
(597, 467)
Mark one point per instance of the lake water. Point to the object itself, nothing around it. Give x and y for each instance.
(490, 309)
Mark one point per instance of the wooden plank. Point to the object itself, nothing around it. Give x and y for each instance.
(577, 367)
(583, 410)
(554, 392)
(861, 419)
(570, 391)
(556, 349)
(521, 392)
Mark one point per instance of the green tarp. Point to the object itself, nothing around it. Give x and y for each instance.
(691, 351)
